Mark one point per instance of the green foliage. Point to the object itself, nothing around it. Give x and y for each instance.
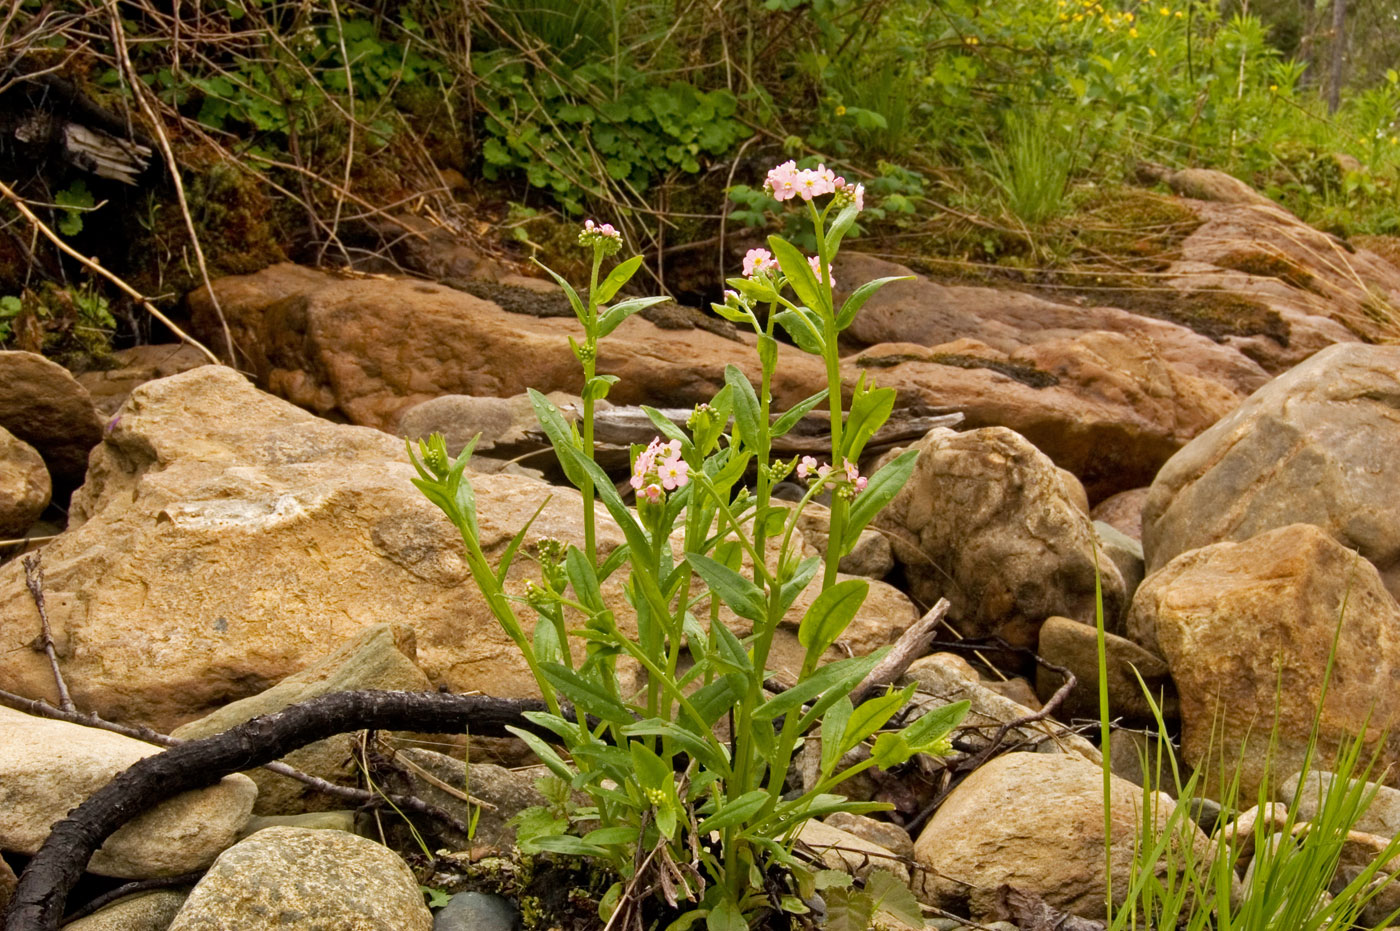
(76, 199)
(10, 307)
(1031, 168)
(709, 819)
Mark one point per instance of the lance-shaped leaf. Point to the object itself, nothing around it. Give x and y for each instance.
(879, 491)
(797, 271)
(794, 414)
(618, 277)
(746, 406)
(862, 294)
(613, 317)
(830, 614)
(872, 715)
(742, 596)
(805, 329)
(580, 310)
(844, 221)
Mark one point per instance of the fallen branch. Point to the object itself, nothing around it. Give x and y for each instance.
(42, 894)
(131, 888)
(34, 579)
(911, 645)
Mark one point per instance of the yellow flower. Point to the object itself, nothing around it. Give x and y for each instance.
(1133, 32)
(1179, 14)
(1152, 52)
(840, 110)
(1394, 139)
(970, 40)
(1078, 17)
(1165, 12)
(1273, 87)
(1129, 17)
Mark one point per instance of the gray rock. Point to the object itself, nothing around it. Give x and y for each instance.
(503, 423)
(1126, 553)
(43, 405)
(871, 557)
(343, 820)
(504, 791)
(1074, 645)
(1314, 446)
(297, 879)
(48, 767)
(890, 836)
(24, 486)
(1123, 511)
(842, 850)
(986, 522)
(7, 884)
(1382, 817)
(477, 911)
(381, 657)
(146, 911)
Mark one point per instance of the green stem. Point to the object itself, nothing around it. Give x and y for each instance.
(590, 367)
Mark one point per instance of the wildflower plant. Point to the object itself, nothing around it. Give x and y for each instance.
(676, 805)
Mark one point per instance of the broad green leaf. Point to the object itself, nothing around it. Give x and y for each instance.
(652, 772)
(841, 690)
(757, 290)
(568, 845)
(869, 411)
(588, 697)
(833, 726)
(805, 331)
(862, 294)
(799, 582)
(664, 425)
(618, 277)
(544, 751)
(848, 910)
(734, 314)
(620, 834)
(713, 700)
(830, 614)
(746, 407)
(936, 723)
(731, 652)
(551, 420)
(892, 895)
(790, 419)
(844, 220)
(797, 271)
(584, 579)
(742, 596)
(873, 714)
(840, 677)
(703, 748)
(620, 311)
(735, 811)
(597, 387)
(879, 491)
(580, 310)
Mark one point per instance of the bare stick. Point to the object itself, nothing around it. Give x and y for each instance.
(911, 645)
(34, 578)
(131, 888)
(92, 266)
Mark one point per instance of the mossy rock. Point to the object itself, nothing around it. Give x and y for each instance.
(1017, 371)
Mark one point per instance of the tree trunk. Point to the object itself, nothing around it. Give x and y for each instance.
(1339, 54)
(1307, 40)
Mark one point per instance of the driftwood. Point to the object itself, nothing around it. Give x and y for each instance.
(42, 894)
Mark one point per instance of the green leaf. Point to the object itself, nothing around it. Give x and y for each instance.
(746, 406)
(726, 916)
(869, 411)
(620, 834)
(509, 555)
(544, 751)
(872, 715)
(862, 294)
(735, 811)
(830, 614)
(588, 697)
(844, 220)
(618, 277)
(936, 724)
(797, 272)
(804, 330)
(757, 290)
(713, 700)
(620, 311)
(734, 314)
(731, 652)
(879, 491)
(597, 387)
(568, 845)
(848, 910)
(743, 597)
(794, 414)
(664, 426)
(840, 676)
(580, 310)
(799, 582)
(833, 726)
(703, 748)
(893, 896)
(551, 420)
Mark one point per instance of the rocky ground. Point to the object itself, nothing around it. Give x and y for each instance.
(1226, 481)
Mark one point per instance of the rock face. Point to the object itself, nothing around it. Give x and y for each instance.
(1034, 821)
(381, 657)
(226, 539)
(363, 351)
(148, 911)
(44, 406)
(502, 423)
(1075, 646)
(136, 366)
(24, 485)
(988, 498)
(49, 767)
(295, 879)
(1314, 446)
(1123, 511)
(1245, 626)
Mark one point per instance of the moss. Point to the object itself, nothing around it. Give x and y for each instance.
(1140, 228)
(1264, 264)
(1025, 374)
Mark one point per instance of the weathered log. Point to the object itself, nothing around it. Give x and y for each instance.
(42, 894)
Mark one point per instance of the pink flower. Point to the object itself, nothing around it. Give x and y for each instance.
(758, 260)
(674, 473)
(860, 484)
(806, 466)
(850, 194)
(816, 263)
(652, 493)
(781, 183)
(851, 470)
(814, 182)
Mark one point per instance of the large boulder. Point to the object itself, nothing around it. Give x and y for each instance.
(24, 485)
(988, 498)
(43, 405)
(146, 911)
(1314, 446)
(135, 366)
(364, 349)
(49, 767)
(1034, 821)
(226, 539)
(299, 879)
(381, 657)
(1247, 630)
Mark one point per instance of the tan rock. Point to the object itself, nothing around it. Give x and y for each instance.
(502, 423)
(1314, 446)
(49, 767)
(1209, 184)
(41, 404)
(8, 880)
(135, 366)
(297, 879)
(1123, 511)
(1074, 645)
(380, 657)
(363, 350)
(1382, 815)
(1247, 627)
(890, 836)
(145, 911)
(850, 853)
(226, 539)
(989, 498)
(24, 486)
(1035, 822)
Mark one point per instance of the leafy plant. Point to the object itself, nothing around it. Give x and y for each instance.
(10, 307)
(707, 819)
(1031, 167)
(76, 200)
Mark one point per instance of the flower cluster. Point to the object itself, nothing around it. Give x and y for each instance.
(605, 236)
(788, 181)
(816, 264)
(809, 469)
(659, 467)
